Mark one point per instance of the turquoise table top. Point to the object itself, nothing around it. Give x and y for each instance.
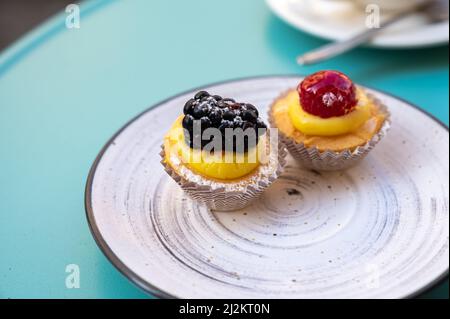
(64, 92)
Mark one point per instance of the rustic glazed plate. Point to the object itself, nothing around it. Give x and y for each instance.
(378, 230)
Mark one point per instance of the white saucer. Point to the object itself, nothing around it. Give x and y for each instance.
(338, 23)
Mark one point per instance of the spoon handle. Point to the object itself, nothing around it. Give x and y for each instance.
(336, 48)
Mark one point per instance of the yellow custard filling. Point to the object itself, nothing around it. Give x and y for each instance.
(315, 125)
(329, 134)
(224, 166)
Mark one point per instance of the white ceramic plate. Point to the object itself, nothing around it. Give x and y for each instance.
(378, 230)
(334, 24)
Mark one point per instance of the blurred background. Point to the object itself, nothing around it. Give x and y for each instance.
(19, 16)
(64, 92)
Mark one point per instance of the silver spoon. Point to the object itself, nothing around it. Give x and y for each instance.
(435, 11)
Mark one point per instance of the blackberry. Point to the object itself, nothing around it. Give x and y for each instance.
(228, 115)
(224, 125)
(216, 116)
(238, 122)
(251, 107)
(201, 95)
(260, 126)
(188, 122)
(223, 103)
(205, 122)
(188, 107)
(200, 110)
(214, 111)
(250, 115)
(248, 125)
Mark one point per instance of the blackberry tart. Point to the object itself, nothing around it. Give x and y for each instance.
(221, 152)
(329, 123)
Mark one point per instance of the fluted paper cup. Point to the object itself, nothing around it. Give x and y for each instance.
(228, 196)
(329, 160)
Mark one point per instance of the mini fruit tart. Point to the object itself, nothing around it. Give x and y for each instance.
(329, 123)
(221, 153)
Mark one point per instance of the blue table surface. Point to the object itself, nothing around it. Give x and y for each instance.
(64, 92)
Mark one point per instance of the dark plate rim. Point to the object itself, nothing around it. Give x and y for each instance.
(139, 281)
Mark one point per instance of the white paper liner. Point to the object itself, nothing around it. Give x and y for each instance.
(228, 196)
(329, 160)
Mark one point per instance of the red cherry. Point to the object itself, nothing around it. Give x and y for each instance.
(327, 94)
